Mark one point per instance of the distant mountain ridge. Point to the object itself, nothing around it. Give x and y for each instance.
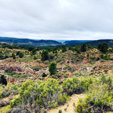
(29, 42)
(38, 43)
(75, 42)
(96, 42)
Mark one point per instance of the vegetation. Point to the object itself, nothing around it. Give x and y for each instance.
(39, 79)
(44, 55)
(3, 80)
(52, 68)
(103, 47)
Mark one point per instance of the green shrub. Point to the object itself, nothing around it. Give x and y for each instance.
(34, 51)
(103, 47)
(3, 80)
(85, 83)
(21, 55)
(83, 47)
(15, 102)
(99, 99)
(62, 99)
(46, 94)
(60, 111)
(44, 55)
(34, 57)
(44, 75)
(64, 48)
(13, 55)
(71, 86)
(52, 68)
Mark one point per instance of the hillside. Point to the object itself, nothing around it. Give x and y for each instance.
(42, 80)
(96, 42)
(75, 42)
(29, 42)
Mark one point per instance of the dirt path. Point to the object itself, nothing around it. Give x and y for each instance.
(69, 106)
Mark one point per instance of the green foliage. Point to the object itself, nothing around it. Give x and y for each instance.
(60, 111)
(87, 55)
(34, 57)
(85, 83)
(99, 98)
(15, 102)
(71, 86)
(83, 47)
(3, 80)
(74, 85)
(50, 92)
(62, 99)
(21, 55)
(105, 57)
(52, 68)
(33, 51)
(9, 89)
(13, 55)
(6, 109)
(46, 94)
(18, 52)
(44, 75)
(64, 48)
(103, 47)
(44, 55)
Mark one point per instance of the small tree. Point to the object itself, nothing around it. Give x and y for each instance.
(44, 55)
(21, 55)
(13, 55)
(33, 51)
(103, 47)
(3, 80)
(64, 48)
(52, 68)
(83, 47)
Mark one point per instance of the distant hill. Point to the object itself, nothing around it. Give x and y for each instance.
(93, 42)
(75, 42)
(38, 43)
(29, 42)
(96, 42)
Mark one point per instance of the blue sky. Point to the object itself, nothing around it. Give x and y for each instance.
(57, 19)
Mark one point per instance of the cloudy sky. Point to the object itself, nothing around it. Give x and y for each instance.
(57, 19)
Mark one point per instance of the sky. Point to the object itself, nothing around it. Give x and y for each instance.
(57, 19)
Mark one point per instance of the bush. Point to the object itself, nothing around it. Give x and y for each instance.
(60, 111)
(46, 94)
(15, 102)
(99, 98)
(18, 52)
(21, 55)
(103, 47)
(44, 75)
(50, 92)
(64, 48)
(71, 86)
(13, 55)
(83, 47)
(34, 51)
(62, 99)
(52, 68)
(3, 80)
(85, 83)
(44, 55)
(34, 57)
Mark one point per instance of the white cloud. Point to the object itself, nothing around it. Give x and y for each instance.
(57, 19)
